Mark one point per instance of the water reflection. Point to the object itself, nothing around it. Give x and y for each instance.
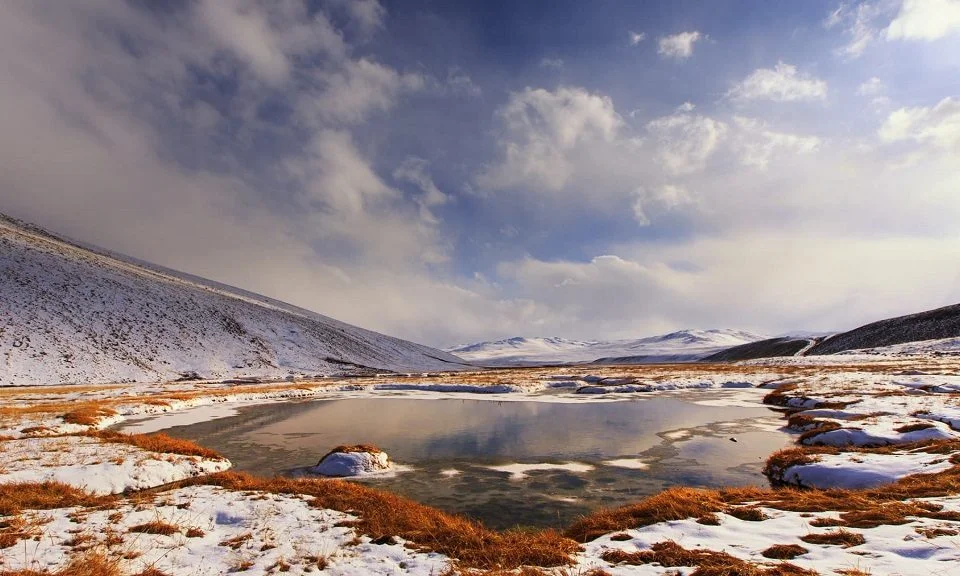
(437, 435)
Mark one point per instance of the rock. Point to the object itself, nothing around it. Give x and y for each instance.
(345, 461)
(733, 439)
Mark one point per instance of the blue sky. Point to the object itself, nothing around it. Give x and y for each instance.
(454, 171)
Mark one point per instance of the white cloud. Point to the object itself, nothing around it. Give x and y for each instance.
(685, 141)
(782, 83)
(359, 88)
(678, 46)
(663, 198)
(938, 126)
(555, 63)
(637, 37)
(414, 171)
(542, 128)
(872, 87)
(367, 15)
(686, 107)
(267, 39)
(757, 143)
(925, 20)
(862, 25)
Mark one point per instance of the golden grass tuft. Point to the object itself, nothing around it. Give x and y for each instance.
(18, 496)
(88, 564)
(839, 537)
(707, 562)
(784, 551)
(914, 427)
(383, 514)
(155, 527)
(158, 442)
(88, 414)
(349, 448)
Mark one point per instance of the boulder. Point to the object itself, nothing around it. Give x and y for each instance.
(347, 461)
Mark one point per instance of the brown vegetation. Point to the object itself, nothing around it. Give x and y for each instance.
(384, 514)
(90, 564)
(839, 537)
(914, 427)
(349, 448)
(158, 442)
(88, 414)
(155, 527)
(18, 496)
(784, 551)
(707, 562)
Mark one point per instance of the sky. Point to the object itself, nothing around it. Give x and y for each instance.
(450, 172)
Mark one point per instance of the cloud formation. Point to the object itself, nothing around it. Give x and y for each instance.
(394, 172)
(678, 46)
(782, 83)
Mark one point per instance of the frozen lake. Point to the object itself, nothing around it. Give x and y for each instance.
(526, 463)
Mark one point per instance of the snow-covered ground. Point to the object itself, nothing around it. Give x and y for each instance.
(682, 346)
(74, 315)
(855, 405)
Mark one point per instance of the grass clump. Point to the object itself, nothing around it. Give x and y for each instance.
(18, 496)
(707, 562)
(155, 527)
(88, 414)
(89, 564)
(158, 442)
(839, 537)
(784, 551)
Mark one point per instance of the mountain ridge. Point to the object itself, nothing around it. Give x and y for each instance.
(678, 346)
(83, 314)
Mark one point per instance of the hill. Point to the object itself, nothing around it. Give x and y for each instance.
(73, 313)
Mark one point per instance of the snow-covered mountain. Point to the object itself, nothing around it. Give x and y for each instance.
(682, 346)
(72, 313)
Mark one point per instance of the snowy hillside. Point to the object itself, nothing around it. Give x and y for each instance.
(73, 314)
(930, 325)
(682, 346)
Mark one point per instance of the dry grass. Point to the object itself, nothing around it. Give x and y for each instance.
(16, 528)
(88, 414)
(159, 442)
(839, 537)
(821, 426)
(151, 572)
(89, 564)
(936, 532)
(671, 504)
(748, 513)
(194, 532)
(707, 562)
(784, 551)
(18, 496)
(914, 427)
(383, 514)
(155, 527)
(349, 448)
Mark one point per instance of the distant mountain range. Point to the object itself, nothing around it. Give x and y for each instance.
(681, 346)
(72, 313)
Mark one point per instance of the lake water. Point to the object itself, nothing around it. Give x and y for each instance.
(658, 442)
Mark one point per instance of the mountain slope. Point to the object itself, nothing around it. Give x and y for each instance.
(930, 325)
(782, 346)
(76, 314)
(682, 346)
